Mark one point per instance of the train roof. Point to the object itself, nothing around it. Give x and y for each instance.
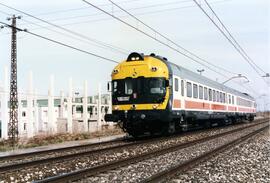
(185, 73)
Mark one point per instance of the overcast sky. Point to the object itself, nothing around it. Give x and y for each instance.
(180, 20)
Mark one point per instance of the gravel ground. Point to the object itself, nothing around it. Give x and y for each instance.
(142, 170)
(248, 162)
(60, 153)
(45, 170)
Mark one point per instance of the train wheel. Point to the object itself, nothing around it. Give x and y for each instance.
(169, 128)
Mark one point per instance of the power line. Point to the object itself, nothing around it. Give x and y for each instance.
(168, 39)
(223, 33)
(135, 8)
(60, 43)
(117, 18)
(102, 19)
(81, 8)
(154, 38)
(66, 35)
(233, 37)
(69, 31)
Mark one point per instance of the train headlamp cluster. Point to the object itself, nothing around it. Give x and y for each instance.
(135, 58)
(154, 69)
(115, 71)
(116, 107)
(155, 106)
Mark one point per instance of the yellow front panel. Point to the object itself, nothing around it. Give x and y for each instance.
(134, 69)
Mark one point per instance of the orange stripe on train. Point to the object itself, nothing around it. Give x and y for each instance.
(176, 103)
(196, 105)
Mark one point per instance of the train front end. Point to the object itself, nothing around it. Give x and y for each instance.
(140, 94)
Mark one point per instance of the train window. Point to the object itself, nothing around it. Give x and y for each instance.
(232, 99)
(205, 93)
(182, 87)
(214, 95)
(114, 86)
(224, 97)
(220, 97)
(217, 96)
(200, 92)
(176, 85)
(128, 87)
(210, 94)
(195, 91)
(189, 89)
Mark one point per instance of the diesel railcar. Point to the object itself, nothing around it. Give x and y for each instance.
(151, 94)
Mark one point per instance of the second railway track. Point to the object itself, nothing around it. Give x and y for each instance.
(93, 158)
(113, 165)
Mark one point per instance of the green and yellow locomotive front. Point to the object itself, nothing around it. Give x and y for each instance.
(140, 94)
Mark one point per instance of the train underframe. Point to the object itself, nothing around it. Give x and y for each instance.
(154, 122)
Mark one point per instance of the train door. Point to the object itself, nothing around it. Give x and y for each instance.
(176, 93)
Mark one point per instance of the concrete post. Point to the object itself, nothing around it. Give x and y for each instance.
(99, 107)
(61, 110)
(85, 107)
(51, 113)
(69, 108)
(4, 106)
(29, 114)
(36, 120)
(20, 122)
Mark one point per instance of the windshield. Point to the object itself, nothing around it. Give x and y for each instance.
(139, 90)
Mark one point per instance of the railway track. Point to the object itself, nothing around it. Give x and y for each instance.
(19, 161)
(92, 171)
(162, 176)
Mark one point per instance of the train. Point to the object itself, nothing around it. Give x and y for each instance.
(151, 95)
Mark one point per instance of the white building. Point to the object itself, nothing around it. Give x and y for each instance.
(39, 114)
(54, 114)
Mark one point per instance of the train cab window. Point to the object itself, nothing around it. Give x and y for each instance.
(205, 93)
(195, 91)
(128, 87)
(232, 99)
(200, 92)
(214, 95)
(189, 89)
(217, 96)
(182, 87)
(176, 84)
(210, 94)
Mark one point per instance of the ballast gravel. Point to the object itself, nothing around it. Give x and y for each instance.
(248, 162)
(46, 170)
(139, 171)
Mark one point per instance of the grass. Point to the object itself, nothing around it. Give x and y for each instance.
(42, 140)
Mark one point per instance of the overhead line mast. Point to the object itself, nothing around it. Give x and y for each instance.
(13, 119)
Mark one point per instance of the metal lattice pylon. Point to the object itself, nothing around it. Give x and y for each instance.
(13, 119)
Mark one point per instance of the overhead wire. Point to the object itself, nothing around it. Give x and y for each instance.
(236, 42)
(230, 41)
(72, 37)
(154, 38)
(134, 8)
(60, 43)
(170, 40)
(103, 19)
(120, 50)
(117, 18)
